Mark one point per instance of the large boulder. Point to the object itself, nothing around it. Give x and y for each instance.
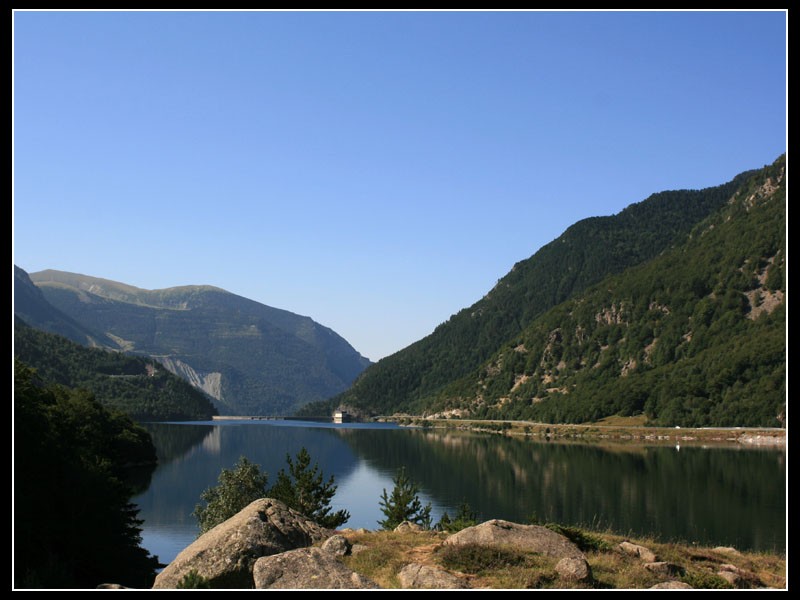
(307, 569)
(423, 577)
(225, 555)
(532, 538)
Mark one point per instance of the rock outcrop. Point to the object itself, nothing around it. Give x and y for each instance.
(532, 538)
(407, 526)
(225, 555)
(423, 577)
(307, 568)
(671, 585)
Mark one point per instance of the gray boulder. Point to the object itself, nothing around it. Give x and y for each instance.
(307, 569)
(337, 545)
(406, 526)
(423, 577)
(225, 555)
(532, 538)
(574, 569)
(645, 554)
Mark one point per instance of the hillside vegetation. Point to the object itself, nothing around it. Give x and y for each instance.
(141, 388)
(693, 337)
(677, 311)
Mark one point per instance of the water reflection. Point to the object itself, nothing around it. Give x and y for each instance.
(711, 496)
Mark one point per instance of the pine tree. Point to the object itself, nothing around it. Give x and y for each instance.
(404, 504)
(304, 490)
(237, 488)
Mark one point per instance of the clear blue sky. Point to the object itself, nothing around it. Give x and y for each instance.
(375, 171)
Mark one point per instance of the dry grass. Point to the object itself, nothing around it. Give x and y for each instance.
(507, 568)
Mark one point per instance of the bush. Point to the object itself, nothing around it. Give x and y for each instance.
(477, 558)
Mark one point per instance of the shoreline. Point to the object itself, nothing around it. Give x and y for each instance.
(748, 437)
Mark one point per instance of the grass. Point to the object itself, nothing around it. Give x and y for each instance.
(497, 567)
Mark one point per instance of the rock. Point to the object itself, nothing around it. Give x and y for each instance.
(307, 568)
(337, 545)
(727, 550)
(225, 555)
(422, 577)
(356, 548)
(739, 578)
(671, 585)
(112, 586)
(665, 569)
(362, 530)
(733, 578)
(574, 569)
(408, 526)
(533, 538)
(645, 554)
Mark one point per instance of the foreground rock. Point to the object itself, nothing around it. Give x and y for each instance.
(307, 568)
(645, 554)
(422, 577)
(574, 569)
(225, 555)
(671, 585)
(337, 544)
(532, 538)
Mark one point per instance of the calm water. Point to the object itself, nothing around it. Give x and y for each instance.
(716, 496)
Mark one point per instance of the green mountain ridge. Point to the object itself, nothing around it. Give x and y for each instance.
(251, 358)
(586, 253)
(694, 337)
(139, 387)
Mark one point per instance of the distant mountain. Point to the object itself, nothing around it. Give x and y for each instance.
(251, 358)
(694, 337)
(141, 388)
(31, 306)
(582, 256)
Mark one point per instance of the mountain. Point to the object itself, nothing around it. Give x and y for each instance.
(694, 337)
(251, 358)
(31, 306)
(582, 256)
(141, 388)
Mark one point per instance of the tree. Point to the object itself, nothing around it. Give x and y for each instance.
(304, 490)
(74, 525)
(237, 488)
(465, 517)
(404, 504)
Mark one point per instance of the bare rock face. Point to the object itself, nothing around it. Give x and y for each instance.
(225, 555)
(645, 554)
(422, 577)
(307, 568)
(533, 538)
(337, 544)
(574, 569)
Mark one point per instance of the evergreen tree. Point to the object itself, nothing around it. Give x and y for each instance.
(404, 504)
(74, 525)
(304, 490)
(465, 517)
(237, 488)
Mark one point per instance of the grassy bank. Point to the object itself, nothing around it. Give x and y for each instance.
(381, 555)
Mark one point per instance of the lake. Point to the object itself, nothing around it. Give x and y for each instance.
(728, 496)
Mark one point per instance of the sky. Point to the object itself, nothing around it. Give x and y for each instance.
(376, 171)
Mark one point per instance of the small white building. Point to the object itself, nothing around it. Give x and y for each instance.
(341, 416)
